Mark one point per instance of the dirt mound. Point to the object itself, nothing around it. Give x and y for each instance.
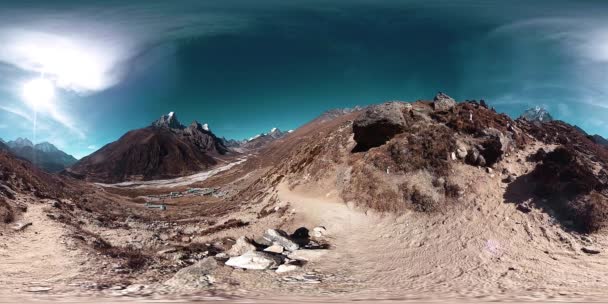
(564, 183)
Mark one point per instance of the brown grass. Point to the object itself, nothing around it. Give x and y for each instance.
(7, 214)
(427, 148)
(133, 259)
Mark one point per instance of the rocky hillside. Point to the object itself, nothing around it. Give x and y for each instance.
(424, 156)
(44, 155)
(163, 150)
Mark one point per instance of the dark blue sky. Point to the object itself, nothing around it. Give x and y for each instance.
(245, 67)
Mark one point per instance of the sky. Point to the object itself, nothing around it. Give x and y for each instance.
(80, 74)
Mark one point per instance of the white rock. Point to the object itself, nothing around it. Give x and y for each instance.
(287, 268)
(242, 245)
(254, 260)
(280, 238)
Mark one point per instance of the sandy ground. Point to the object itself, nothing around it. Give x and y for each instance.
(40, 256)
(486, 250)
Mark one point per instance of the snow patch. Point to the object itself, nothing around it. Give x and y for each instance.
(206, 127)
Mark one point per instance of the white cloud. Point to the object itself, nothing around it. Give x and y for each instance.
(92, 147)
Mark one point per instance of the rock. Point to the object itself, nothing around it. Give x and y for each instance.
(472, 157)
(496, 146)
(287, 268)
(589, 250)
(222, 256)
(242, 245)
(301, 233)
(443, 102)
(319, 231)
(263, 242)
(275, 249)
(195, 276)
(255, 260)
(489, 170)
(461, 153)
(307, 255)
(481, 161)
(280, 238)
(453, 156)
(22, 225)
(378, 124)
(523, 208)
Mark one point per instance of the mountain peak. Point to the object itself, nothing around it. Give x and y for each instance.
(537, 114)
(46, 147)
(168, 121)
(20, 142)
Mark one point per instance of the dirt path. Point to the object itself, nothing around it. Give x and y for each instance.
(38, 256)
(486, 250)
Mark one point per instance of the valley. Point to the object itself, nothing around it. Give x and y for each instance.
(401, 201)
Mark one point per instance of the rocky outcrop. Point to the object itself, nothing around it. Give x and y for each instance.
(443, 102)
(168, 121)
(378, 124)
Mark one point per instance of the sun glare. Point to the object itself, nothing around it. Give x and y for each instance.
(39, 93)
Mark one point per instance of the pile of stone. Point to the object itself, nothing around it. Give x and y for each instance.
(277, 250)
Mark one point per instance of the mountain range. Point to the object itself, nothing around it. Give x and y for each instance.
(43, 155)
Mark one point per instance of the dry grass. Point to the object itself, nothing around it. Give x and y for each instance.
(7, 215)
(427, 148)
(132, 258)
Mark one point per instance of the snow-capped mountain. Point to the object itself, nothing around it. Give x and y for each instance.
(168, 121)
(536, 114)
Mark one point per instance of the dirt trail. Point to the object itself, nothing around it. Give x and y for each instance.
(38, 256)
(487, 250)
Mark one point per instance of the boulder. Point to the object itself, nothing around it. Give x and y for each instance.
(443, 102)
(255, 260)
(495, 146)
(307, 255)
(280, 238)
(195, 276)
(378, 124)
(242, 245)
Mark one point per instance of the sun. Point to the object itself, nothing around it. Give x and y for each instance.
(39, 93)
